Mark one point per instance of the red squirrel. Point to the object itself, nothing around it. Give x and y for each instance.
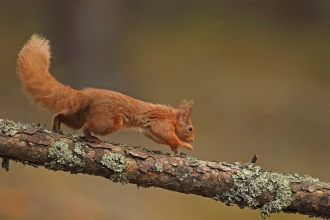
(100, 111)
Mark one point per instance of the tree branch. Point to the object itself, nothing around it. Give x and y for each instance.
(246, 185)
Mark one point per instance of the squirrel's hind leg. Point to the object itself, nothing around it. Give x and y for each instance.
(72, 120)
(101, 126)
(56, 124)
(88, 135)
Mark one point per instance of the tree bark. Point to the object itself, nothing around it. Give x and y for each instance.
(246, 185)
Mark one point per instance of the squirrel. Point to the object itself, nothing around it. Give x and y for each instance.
(100, 111)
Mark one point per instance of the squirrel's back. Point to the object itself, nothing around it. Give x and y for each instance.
(33, 68)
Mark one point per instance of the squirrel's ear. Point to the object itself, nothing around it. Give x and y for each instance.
(185, 109)
(184, 115)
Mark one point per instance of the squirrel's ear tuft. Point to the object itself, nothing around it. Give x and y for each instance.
(187, 105)
(185, 109)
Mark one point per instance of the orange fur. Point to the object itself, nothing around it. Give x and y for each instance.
(99, 111)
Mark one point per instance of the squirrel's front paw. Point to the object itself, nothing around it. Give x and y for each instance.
(188, 146)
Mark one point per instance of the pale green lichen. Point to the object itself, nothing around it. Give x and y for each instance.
(63, 157)
(114, 161)
(159, 167)
(47, 131)
(250, 182)
(79, 149)
(10, 128)
(305, 178)
(74, 135)
(191, 159)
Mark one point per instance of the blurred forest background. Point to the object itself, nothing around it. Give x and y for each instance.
(259, 72)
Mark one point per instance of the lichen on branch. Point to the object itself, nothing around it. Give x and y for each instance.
(246, 185)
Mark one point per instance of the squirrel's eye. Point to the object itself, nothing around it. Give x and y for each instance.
(190, 128)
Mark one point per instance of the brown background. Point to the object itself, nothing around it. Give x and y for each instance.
(258, 72)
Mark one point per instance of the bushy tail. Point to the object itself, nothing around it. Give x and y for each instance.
(33, 65)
